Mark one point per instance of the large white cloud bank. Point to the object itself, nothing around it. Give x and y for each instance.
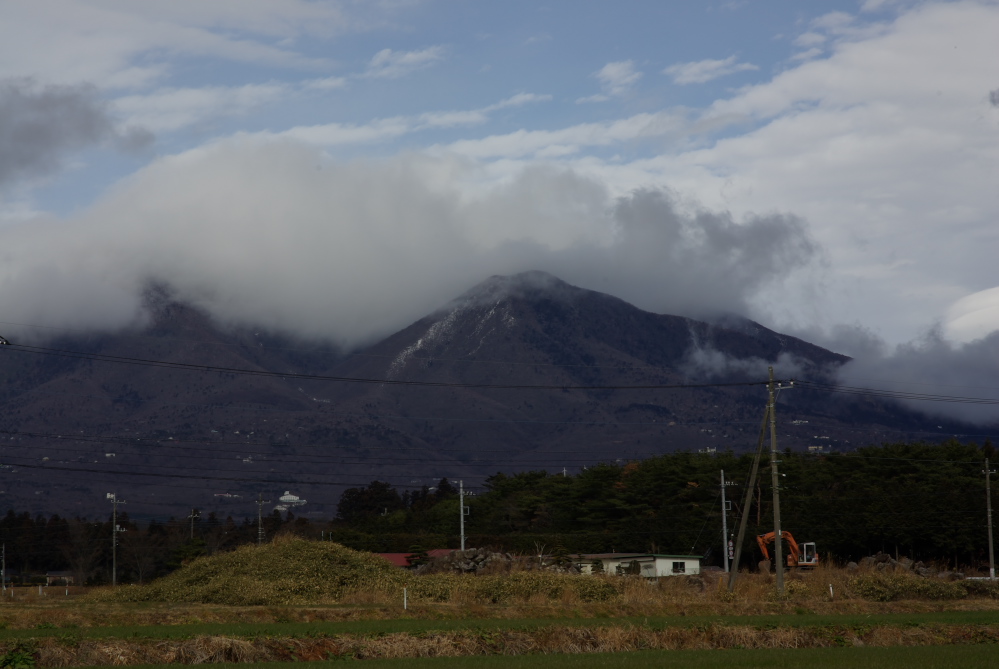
(272, 232)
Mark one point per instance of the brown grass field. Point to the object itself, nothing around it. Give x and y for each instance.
(334, 604)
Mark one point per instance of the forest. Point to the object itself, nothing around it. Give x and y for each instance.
(924, 501)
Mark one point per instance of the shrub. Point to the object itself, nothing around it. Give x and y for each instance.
(21, 656)
(888, 586)
(982, 588)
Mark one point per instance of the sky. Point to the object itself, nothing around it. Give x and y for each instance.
(340, 168)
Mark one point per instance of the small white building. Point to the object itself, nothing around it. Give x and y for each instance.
(650, 565)
(288, 501)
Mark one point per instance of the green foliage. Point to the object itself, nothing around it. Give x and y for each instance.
(22, 656)
(982, 588)
(417, 555)
(889, 586)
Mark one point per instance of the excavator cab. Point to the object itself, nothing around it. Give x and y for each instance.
(809, 557)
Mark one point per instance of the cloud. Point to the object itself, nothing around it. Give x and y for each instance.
(935, 366)
(598, 97)
(618, 77)
(974, 316)
(571, 139)
(380, 130)
(274, 233)
(129, 44)
(40, 126)
(389, 64)
(701, 71)
(326, 83)
(887, 146)
(173, 108)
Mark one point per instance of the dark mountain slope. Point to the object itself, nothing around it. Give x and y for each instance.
(63, 417)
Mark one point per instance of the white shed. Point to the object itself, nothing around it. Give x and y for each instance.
(650, 565)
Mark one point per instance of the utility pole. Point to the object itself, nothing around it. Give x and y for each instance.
(114, 536)
(462, 508)
(747, 502)
(3, 559)
(775, 479)
(194, 515)
(725, 540)
(260, 518)
(988, 505)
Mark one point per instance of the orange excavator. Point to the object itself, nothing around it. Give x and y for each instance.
(798, 555)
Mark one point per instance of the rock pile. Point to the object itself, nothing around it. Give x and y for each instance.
(484, 561)
(883, 561)
(468, 561)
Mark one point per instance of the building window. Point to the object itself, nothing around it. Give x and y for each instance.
(679, 567)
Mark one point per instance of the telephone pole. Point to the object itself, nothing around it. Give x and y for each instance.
(775, 479)
(462, 508)
(726, 542)
(988, 505)
(747, 503)
(260, 518)
(114, 536)
(194, 515)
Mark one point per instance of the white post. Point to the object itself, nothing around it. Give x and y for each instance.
(724, 522)
(461, 509)
(405, 599)
(114, 535)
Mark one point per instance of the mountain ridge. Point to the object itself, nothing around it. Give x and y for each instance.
(259, 434)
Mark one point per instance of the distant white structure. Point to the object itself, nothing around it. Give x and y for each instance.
(287, 501)
(650, 565)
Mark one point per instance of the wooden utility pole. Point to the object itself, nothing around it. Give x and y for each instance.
(747, 502)
(775, 481)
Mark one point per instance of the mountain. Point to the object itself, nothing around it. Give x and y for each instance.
(168, 440)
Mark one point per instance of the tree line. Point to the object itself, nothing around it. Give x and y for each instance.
(925, 501)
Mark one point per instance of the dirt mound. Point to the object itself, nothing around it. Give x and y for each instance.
(287, 571)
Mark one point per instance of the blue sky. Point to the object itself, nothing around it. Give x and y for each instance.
(827, 168)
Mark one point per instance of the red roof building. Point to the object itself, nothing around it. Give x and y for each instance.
(401, 559)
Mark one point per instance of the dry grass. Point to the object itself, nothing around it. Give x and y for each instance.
(365, 587)
(552, 639)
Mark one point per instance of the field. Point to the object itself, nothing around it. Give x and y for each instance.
(297, 601)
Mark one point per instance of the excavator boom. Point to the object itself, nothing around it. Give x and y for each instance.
(802, 555)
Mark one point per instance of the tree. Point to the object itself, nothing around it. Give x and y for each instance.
(417, 556)
(445, 490)
(377, 498)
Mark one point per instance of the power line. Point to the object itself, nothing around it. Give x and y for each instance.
(894, 394)
(100, 357)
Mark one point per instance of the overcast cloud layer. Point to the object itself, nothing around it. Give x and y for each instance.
(271, 232)
(339, 169)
